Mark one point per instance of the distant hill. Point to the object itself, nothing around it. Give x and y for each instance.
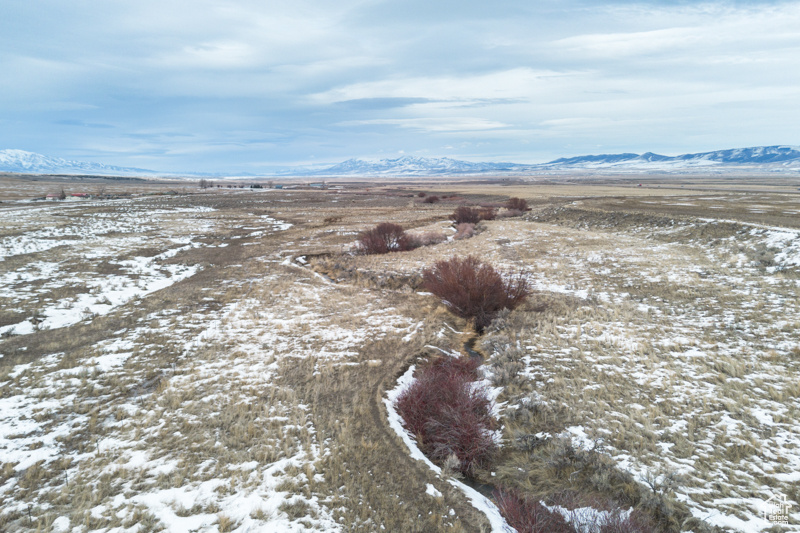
(33, 163)
(409, 165)
(768, 158)
(762, 158)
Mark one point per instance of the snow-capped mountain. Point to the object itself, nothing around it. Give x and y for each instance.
(760, 155)
(762, 158)
(768, 158)
(408, 165)
(33, 163)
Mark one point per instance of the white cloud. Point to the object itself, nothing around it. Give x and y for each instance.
(465, 124)
(254, 80)
(617, 45)
(692, 33)
(517, 83)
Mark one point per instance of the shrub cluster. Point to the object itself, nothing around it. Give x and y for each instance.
(474, 290)
(449, 415)
(384, 238)
(517, 204)
(431, 199)
(487, 213)
(466, 215)
(529, 515)
(472, 215)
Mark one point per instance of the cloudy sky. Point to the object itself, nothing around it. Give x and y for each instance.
(241, 85)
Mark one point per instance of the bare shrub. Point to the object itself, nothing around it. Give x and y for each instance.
(465, 215)
(517, 204)
(487, 213)
(421, 194)
(529, 515)
(431, 199)
(384, 238)
(464, 231)
(472, 215)
(474, 290)
(574, 512)
(449, 415)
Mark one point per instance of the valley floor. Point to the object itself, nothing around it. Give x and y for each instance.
(217, 362)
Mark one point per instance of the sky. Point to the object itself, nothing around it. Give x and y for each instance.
(248, 86)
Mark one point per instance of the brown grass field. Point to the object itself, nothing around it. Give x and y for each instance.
(178, 359)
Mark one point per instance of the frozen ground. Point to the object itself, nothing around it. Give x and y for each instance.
(188, 418)
(217, 384)
(63, 263)
(679, 356)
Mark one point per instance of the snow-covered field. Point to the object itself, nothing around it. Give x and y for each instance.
(190, 416)
(677, 355)
(50, 256)
(184, 425)
(177, 364)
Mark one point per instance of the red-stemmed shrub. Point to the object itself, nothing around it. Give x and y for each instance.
(384, 238)
(448, 414)
(465, 215)
(517, 204)
(529, 515)
(472, 215)
(474, 290)
(576, 513)
(431, 199)
(422, 194)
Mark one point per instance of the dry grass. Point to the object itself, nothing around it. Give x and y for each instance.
(249, 362)
(257, 377)
(675, 357)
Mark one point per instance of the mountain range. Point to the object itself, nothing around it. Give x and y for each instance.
(414, 165)
(762, 158)
(768, 157)
(32, 163)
